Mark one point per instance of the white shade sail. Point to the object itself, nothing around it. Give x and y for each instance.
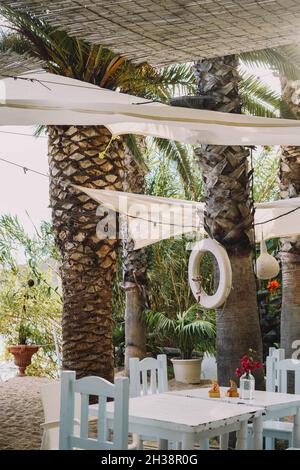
(151, 218)
(45, 98)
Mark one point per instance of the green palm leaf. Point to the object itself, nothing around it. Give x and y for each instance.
(279, 59)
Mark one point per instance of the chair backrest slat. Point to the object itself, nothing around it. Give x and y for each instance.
(84, 416)
(103, 389)
(135, 377)
(153, 381)
(279, 355)
(139, 371)
(282, 380)
(144, 382)
(121, 411)
(162, 373)
(102, 436)
(270, 371)
(297, 382)
(67, 403)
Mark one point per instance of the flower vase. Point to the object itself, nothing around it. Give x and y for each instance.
(247, 386)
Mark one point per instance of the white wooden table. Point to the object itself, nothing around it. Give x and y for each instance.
(275, 405)
(176, 418)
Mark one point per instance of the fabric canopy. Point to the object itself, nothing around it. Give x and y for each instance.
(151, 218)
(43, 98)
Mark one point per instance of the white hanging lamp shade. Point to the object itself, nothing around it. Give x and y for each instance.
(267, 265)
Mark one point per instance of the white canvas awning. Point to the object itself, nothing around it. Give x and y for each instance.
(151, 218)
(286, 223)
(52, 99)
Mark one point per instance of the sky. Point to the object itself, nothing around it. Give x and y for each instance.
(22, 193)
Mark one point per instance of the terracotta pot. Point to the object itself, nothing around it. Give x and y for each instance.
(22, 356)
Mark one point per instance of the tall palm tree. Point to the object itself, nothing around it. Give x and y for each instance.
(134, 267)
(229, 218)
(285, 61)
(85, 155)
(290, 247)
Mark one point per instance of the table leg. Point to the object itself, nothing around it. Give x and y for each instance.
(241, 443)
(163, 444)
(224, 440)
(257, 433)
(188, 441)
(296, 433)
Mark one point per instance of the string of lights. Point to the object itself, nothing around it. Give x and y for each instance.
(51, 82)
(24, 168)
(45, 83)
(23, 134)
(27, 169)
(278, 216)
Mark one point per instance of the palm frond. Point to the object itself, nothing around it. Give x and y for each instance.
(254, 107)
(279, 59)
(252, 85)
(161, 322)
(134, 148)
(261, 100)
(39, 130)
(187, 329)
(180, 155)
(156, 84)
(266, 166)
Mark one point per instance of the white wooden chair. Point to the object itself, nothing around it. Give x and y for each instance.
(104, 390)
(138, 372)
(50, 395)
(276, 381)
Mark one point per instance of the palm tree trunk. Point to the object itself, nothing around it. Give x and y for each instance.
(229, 219)
(290, 247)
(87, 262)
(134, 265)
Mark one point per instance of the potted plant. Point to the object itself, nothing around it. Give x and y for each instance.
(193, 331)
(24, 350)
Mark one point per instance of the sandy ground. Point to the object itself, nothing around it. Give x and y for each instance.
(21, 412)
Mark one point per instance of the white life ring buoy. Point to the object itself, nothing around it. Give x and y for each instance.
(225, 282)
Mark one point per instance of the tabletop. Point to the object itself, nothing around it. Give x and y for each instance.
(267, 400)
(172, 411)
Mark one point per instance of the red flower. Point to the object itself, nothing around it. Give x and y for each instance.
(248, 364)
(273, 286)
